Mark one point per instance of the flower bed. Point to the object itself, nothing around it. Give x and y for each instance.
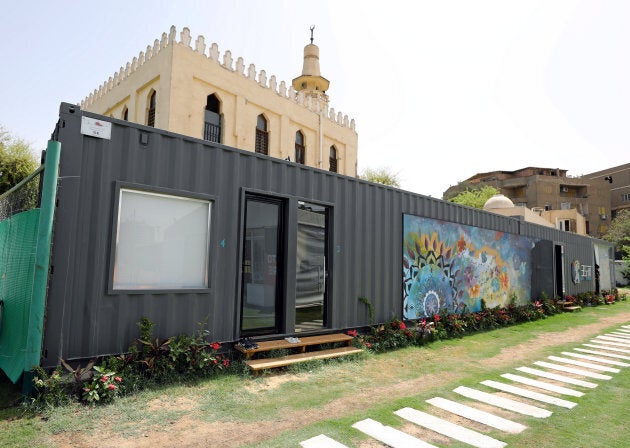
(397, 334)
(148, 362)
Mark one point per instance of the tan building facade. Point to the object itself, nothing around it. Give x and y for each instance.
(575, 204)
(617, 180)
(198, 92)
(568, 220)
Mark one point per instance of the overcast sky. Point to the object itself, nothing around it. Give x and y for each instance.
(440, 90)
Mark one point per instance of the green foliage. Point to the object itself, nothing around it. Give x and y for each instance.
(397, 334)
(16, 160)
(155, 355)
(90, 384)
(381, 176)
(619, 234)
(368, 303)
(475, 197)
(195, 355)
(145, 325)
(390, 336)
(102, 388)
(150, 361)
(50, 390)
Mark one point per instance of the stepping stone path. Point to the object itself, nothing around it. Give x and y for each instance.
(612, 349)
(607, 347)
(476, 415)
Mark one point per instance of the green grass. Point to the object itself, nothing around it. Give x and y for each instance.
(600, 412)
(422, 372)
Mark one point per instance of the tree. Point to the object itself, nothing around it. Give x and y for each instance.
(619, 233)
(381, 175)
(475, 197)
(16, 160)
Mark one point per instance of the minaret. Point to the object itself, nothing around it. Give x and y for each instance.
(312, 83)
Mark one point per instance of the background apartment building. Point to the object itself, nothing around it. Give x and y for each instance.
(576, 204)
(617, 180)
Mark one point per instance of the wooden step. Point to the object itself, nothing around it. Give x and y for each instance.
(271, 363)
(568, 306)
(265, 346)
(572, 308)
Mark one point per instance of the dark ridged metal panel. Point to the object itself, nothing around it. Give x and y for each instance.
(573, 247)
(85, 320)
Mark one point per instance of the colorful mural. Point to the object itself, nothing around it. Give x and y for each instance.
(449, 266)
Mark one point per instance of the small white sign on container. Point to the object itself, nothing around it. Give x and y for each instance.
(96, 128)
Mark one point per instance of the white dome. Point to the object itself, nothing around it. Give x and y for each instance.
(498, 201)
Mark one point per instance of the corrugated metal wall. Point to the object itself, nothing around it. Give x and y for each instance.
(85, 320)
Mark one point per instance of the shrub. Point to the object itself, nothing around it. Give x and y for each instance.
(50, 389)
(102, 388)
(149, 361)
(397, 334)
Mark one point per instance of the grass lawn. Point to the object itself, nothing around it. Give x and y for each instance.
(282, 409)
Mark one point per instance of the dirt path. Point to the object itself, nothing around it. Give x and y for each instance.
(189, 432)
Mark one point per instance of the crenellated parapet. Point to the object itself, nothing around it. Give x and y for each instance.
(227, 62)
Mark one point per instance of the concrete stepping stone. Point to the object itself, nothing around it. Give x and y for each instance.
(588, 365)
(586, 373)
(321, 441)
(390, 436)
(556, 377)
(624, 330)
(543, 385)
(501, 402)
(609, 354)
(621, 341)
(449, 429)
(544, 398)
(477, 415)
(626, 326)
(600, 340)
(606, 347)
(597, 359)
(618, 335)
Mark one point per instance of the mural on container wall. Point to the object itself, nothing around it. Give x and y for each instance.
(449, 266)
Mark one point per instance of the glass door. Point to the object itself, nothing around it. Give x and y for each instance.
(262, 266)
(311, 268)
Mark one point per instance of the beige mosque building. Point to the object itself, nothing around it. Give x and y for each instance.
(195, 91)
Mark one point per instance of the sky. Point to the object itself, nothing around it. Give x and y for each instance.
(439, 90)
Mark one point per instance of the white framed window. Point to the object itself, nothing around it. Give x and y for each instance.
(567, 225)
(162, 242)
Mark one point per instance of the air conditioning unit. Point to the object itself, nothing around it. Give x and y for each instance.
(603, 217)
(564, 189)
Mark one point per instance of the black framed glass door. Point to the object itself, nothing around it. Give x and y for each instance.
(262, 267)
(311, 268)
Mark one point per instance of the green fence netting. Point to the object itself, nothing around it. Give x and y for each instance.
(18, 241)
(26, 216)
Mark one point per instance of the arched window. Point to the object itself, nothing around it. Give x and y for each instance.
(125, 114)
(151, 112)
(332, 160)
(300, 150)
(262, 136)
(212, 119)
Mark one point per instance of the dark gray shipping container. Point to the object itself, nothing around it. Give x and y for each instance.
(353, 229)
